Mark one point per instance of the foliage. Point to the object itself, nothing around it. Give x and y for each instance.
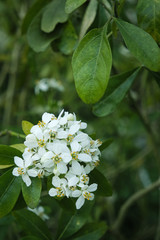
(105, 53)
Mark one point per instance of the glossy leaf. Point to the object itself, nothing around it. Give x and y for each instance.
(26, 127)
(32, 224)
(7, 156)
(105, 144)
(92, 61)
(68, 204)
(32, 12)
(156, 77)
(110, 102)
(71, 5)
(30, 238)
(53, 14)
(19, 146)
(10, 187)
(68, 40)
(148, 13)
(104, 186)
(32, 193)
(37, 39)
(89, 17)
(92, 231)
(143, 46)
(71, 223)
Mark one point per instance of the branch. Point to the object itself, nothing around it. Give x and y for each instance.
(130, 201)
(11, 133)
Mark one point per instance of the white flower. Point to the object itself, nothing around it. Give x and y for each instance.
(84, 193)
(39, 211)
(23, 170)
(58, 146)
(60, 189)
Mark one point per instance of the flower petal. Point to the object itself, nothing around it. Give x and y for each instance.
(73, 181)
(15, 172)
(62, 168)
(76, 193)
(83, 125)
(36, 130)
(76, 168)
(32, 173)
(31, 141)
(74, 128)
(84, 157)
(26, 179)
(75, 146)
(56, 181)
(19, 162)
(66, 157)
(92, 187)
(52, 192)
(27, 162)
(46, 117)
(80, 201)
(62, 134)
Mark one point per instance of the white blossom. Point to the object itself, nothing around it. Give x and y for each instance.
(58, 146)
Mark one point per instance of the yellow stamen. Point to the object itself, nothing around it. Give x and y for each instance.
(41, 124)
(74, 155)
(87, 195)
(59, 192)
(70, 138)
(52, 134)
(20, 171)
(57, 159)
(84, 178)
(41, 143)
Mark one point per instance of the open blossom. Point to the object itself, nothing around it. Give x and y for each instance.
(23, 170)
(57, 146)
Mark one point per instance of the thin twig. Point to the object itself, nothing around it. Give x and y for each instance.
(11, 133)
(124, 209)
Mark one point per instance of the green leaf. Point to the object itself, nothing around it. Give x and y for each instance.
(104, 187)
(26, 127)
(143, 46)
(32, 224)
(53, 14)
(71, 5)
(19, 146)
(30, 238)
(68, 40)
(32, 193)
(7, 156)
(32, 12)
(37, 39)
(148, 13)
(20, 203)
(110, 102)
(89, 17)
(92, 231)
(71, 223)
(91, 62)
(10, 187)
(67, 204)
(105, 144)
(156, 77)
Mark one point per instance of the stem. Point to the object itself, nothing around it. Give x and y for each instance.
(11, 133)
(105, 6)
(135, 161)
(148, 128)
(124, 209)
(109, 34)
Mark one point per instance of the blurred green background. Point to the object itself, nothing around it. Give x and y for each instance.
(32, 83)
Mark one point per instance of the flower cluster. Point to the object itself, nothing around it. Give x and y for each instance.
(58, 146)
